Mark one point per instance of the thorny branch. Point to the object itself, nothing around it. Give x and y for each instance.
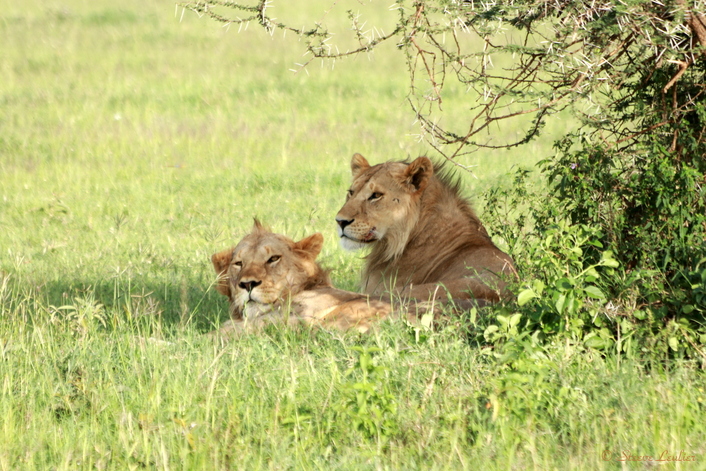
(527, 59)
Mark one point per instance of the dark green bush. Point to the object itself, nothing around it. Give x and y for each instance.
(613, 258)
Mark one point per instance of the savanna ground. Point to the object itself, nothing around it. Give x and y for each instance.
(133, 145)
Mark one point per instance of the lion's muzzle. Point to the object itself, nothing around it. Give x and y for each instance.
(249, 285)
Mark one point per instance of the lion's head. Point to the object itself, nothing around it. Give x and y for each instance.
(264, 269)
(382, 203)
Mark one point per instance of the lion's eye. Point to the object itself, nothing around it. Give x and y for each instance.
(238, 264)
(375, 196)
(274, 259)
(350, 193)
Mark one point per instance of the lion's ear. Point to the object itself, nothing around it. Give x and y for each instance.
(310, 246)
(358, 165)
(221, 261)
(258, 226)
(418, 173)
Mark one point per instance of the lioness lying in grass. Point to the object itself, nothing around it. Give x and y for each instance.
(270, 278)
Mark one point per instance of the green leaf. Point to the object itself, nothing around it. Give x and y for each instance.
(596, 342)
(564, 284)
(490, 330)
(538, 286)
(515, 319)
(473, 315)
(673, 343)
(560, 304)
(607, 260)
(526, 296)
(594, 292)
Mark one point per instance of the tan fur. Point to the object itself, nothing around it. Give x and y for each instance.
(294, 289)
(426, 241)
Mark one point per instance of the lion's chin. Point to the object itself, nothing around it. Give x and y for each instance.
(353, 245)
(254, 309)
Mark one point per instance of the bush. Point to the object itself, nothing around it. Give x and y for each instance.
(608, 260)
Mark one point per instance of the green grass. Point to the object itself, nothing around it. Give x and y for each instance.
(132, 147)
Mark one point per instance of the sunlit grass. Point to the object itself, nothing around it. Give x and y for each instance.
(134, 145)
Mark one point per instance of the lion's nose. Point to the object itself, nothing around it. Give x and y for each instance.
(249, 285)
(344, 222)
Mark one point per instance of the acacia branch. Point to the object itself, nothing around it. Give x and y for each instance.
(561, 58)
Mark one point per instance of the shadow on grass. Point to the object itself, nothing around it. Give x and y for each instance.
(167, 306)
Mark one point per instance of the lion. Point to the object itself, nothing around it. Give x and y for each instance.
(269, 278)
(427, 242)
